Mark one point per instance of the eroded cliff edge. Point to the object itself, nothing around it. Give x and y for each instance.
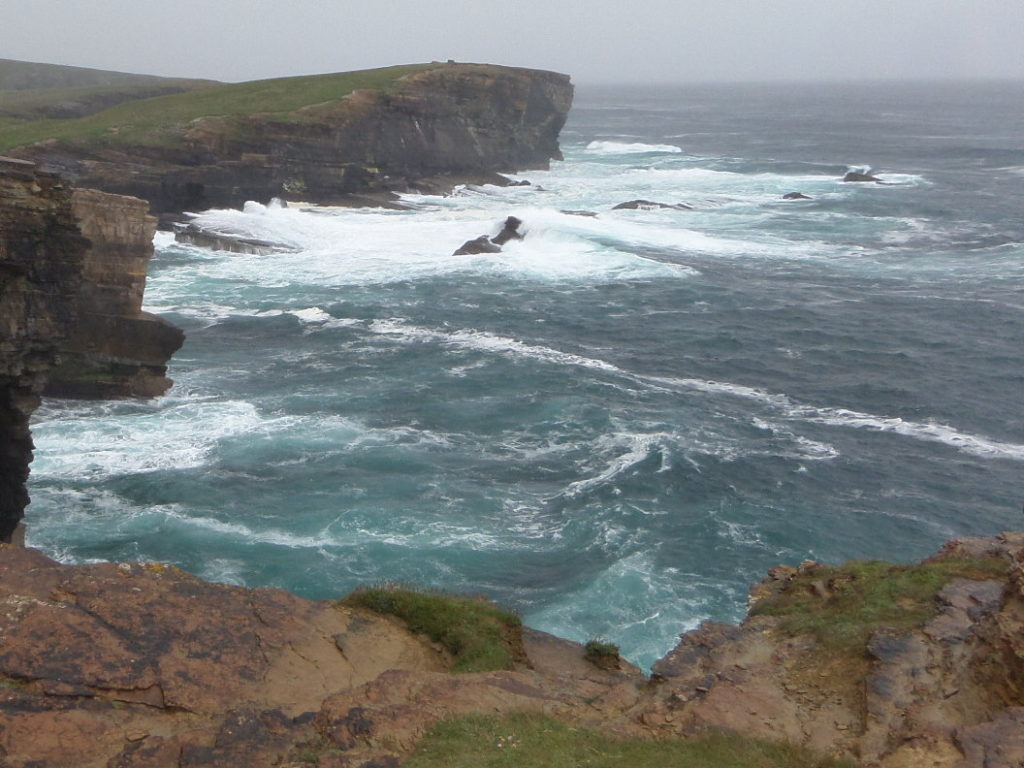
(41, 256)
(136, 665)
(432, 126)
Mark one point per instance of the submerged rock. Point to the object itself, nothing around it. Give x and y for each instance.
(795, 196)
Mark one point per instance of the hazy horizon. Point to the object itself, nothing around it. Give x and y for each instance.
(601, 43)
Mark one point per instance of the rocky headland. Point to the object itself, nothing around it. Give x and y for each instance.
(324, 139)
(145, 665)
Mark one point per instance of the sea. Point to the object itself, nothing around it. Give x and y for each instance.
(616, 425)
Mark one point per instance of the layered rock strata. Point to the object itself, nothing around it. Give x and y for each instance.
(442, 125)
(136, 665)
(115, 349)
(41, 256)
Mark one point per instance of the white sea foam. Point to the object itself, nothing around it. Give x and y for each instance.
(179, 436)
(630, 148)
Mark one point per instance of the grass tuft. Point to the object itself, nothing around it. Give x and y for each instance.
(601, 653)
(479, 635)
(841, 606)
(535, 741)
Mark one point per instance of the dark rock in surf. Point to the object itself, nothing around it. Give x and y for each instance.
(795, 196)
(861, 177)
(649, 205)
(486, 244)
(481, 244)
(509, 231)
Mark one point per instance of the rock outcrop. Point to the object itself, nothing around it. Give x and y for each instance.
(115, 349)
(137, 665)
(438, 125)
(41, 256)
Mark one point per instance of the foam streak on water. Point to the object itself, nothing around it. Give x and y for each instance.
(618, 423)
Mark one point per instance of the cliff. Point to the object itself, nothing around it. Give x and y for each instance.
(143, 665)
(41, 255)
(72, 275)
(115, 349)
(319, 139)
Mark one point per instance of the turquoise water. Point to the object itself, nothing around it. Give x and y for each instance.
(619, 423)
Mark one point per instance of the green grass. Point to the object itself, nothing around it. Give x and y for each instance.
(154, 120)
(479, 635)
(864, 595)
(535, 741)
(36, 105)
(601, 653)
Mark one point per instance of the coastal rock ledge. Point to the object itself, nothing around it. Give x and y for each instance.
(133, 665)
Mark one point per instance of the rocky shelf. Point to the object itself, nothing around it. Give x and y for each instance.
(145, 665)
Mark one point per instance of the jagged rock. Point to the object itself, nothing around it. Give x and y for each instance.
(449, 123)
(648, 205)
(861, 176)
(795, 196)
(41, 256)
(485, 244)
(509, 231)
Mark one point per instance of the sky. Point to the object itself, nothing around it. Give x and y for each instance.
(597, 41)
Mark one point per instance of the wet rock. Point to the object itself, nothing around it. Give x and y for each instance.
(480, 244)
(648, 205)
(509, 231)
(192, 234)
(861, 176)
(795, 196)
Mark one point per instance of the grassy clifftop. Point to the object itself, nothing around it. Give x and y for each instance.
(152, 120)
(31, 91)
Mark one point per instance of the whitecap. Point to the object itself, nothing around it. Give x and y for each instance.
(630, 148)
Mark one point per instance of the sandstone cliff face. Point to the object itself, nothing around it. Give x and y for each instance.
(453, 121)
(143, 665)
(115, 349)
(41, 254)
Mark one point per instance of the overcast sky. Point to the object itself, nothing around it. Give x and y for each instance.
(594, 41)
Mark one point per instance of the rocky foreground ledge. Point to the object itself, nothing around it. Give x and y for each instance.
(133, 665)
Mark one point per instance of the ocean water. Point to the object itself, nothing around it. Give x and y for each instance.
(619, 423)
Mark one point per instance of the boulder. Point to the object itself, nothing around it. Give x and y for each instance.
(795, 196)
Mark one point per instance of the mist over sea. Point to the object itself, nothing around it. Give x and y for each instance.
(618, 424)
